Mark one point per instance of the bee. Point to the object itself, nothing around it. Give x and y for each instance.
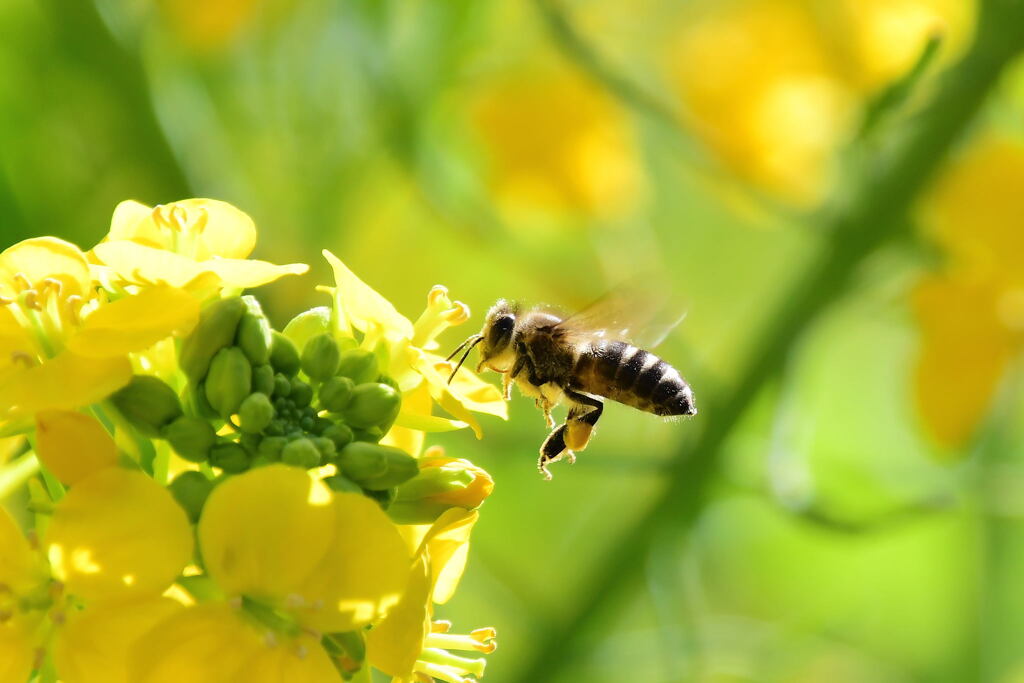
(580, 360)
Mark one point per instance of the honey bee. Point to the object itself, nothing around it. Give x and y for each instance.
(580, 360)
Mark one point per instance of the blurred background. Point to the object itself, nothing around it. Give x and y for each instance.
(848, 504)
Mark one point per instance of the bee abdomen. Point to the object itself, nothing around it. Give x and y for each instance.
(630, 375)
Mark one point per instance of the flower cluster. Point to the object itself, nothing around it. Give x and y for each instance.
(212, 499)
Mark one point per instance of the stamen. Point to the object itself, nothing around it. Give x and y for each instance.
(30, 299)
(440, 626)
(199, 225)
(445, 659)
(481, 640)
(26, 359)
(54, 283)
(6, 301)
(23, 281)
(457, 315)
(294, 600)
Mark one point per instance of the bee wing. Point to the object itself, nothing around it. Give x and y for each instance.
(641, 318)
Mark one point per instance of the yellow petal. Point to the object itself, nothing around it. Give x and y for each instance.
(408, 437)
(295, 660)
(73, 445)
(19, 648)
(250, 273)
(21, 569)
(362, 307)
(264, 531)
(40, 258)
(134, 221)
(208, 643)
(147, 265)
(66, 382)
(363, 573)
(228, 233)
(13, 339)
(118, 533)
(394, 645)
(93, 645)
(447, 545)
(136, 322)
(473, 392)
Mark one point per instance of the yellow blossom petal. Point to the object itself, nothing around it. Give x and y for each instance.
(394, 645)
(228, 232)
(21, 569)
(42, 258)
(118, 533)
(19, 648)
(362, 307)
(363, 573)
(406, 433)
(447, 545)
(208, 643)
(296, 660)
(143, 264)
(965, 350)
(93, 644)
(134, 221)
(136, 322)
(73, 445)
(66, 382)
(250, 273)
(264, 531)
(13, 339)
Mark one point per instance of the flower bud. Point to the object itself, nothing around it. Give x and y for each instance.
(283, 355)
(442, 483)
(384, 497)
(250, 442)
(191, 437)
(373, 405)
(335, 393)
(371, 435)
(307, 325)
(300, 453)
(216, 329)
(325, 446)
(376, 467)
(301, 393)
(148, 403)
(359, 365)
(255, 413)
(230, 457)
(342, 484)
(340, 434)
(263, 379)
(254, 335)
(321, 357)
(191, 489)
(199, 403)
(229, 380)
(271, 446)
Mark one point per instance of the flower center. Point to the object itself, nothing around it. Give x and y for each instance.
(46, 311)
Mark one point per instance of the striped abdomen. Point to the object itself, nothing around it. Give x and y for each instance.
(630, 375)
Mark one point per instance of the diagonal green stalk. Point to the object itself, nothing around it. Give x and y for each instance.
(875, 209)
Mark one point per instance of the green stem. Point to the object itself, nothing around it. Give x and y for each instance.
(15, 473)
(874, 211)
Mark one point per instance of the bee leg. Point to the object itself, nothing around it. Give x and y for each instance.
(583, 416)
(506, 386)
(506, 381)
(545, 405)
(552, 450)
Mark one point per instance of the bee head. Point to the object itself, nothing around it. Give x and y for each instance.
(498, 329)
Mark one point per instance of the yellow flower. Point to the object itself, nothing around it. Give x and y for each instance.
(293, 560)
(442, 483)
(197, 244)
(420, 373)
(115, 542)
(63, 344)
(555, 141)
(971, 313)
(407, 644)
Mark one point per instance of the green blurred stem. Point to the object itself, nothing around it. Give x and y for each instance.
(15, 473)
(874, 211)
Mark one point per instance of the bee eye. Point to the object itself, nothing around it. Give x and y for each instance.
(501, 330)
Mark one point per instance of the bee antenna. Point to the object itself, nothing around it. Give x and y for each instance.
(469, 344)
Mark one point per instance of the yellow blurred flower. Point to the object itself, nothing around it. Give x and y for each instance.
(554, 141)
(971, 313)
(293, 560)
(63, 344)
(200, 245)
(422, 375)
(115, 542)
(407, 644)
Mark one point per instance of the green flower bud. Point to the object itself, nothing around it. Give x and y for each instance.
(335, 393)
(250, 442)
(325, 446)
(229, 381)
(320, 424)
(191, 437)
(191, 490)
(216, 329)
(321, 357)
(384, 497)
(230, 457)
(148, 403)
(260, 461)
(275, 428)
(255, 413)
(342, 484)
(301, 394)
(373, 405)
(390, 381)
(271, 447)
(263, 379)
(254, 335)
(340, 434)
(283, 355)
(371, 435)
(359, 365)
(441, 483)
(282, 386)
(376, 467)
(306, 423)
(307, 325)
(200, 405)
(301, 453)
